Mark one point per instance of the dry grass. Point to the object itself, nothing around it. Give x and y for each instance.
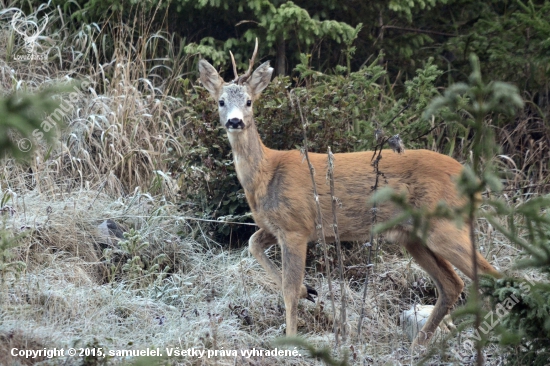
(110, 163)
(211, 299)
(215, 298)
(122, 128)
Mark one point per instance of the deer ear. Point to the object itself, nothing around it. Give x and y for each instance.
(210, 78)
(260, 79)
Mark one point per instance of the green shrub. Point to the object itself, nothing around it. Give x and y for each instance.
(132, 262)
(525, 326)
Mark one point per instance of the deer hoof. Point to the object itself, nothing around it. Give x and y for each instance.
(310, 293)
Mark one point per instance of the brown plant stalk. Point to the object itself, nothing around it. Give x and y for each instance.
(330, 173)
(319, 224)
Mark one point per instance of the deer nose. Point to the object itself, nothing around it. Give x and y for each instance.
(235, 123)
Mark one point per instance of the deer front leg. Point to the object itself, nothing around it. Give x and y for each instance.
(293, 247)
(257, 245)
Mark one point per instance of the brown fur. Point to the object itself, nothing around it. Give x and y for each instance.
(279, 191)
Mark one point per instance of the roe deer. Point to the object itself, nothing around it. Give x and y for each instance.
(279, 191)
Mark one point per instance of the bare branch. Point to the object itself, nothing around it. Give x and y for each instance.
(246, 21)
(416, 30)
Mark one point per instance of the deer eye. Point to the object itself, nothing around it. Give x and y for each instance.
(222, 103)
(248, 103)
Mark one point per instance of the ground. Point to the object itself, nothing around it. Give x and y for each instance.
(211, 297)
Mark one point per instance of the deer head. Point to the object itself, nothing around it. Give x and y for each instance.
(29, 29)
(235, 98)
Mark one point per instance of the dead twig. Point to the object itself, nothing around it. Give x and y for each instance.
(330, 173)
(319, 223)
(376, 159)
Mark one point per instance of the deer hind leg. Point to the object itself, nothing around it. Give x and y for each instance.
(259, 242)
(453, 244)
(293, 248)
(448, 284)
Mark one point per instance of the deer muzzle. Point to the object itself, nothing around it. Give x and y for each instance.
(234, 124)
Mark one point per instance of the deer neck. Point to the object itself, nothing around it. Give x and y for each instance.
(249, 156)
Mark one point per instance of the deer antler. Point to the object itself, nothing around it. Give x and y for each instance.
(30, 40)
(14, 21)
(44, 24)
(241, 79)
(246, 75)
(234, 67)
